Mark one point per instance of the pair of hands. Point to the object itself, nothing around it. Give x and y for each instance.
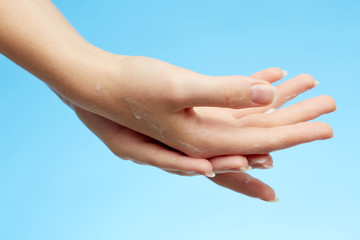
(158, 114)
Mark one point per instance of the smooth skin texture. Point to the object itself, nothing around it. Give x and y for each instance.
(168, 113)
(229, 169)
(149, 97)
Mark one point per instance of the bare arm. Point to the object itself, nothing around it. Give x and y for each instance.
(45, 44)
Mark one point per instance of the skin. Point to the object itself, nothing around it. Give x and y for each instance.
(229, 169)
(159, 114)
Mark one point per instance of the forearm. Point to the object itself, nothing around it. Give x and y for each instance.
(35, 35)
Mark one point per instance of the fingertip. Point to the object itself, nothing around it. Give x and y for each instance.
(210, 174)
(308, 79)
(271, 75)
(284, 72)
(260, 161)
(206, 169)
(276, 199)
(330, 132)
(325, 131)
(331, 103)
(268, 195)
(234, 163)
(277, 73)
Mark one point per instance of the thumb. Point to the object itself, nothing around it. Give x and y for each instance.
(229, 92)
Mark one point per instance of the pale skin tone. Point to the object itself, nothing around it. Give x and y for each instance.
(158, 114)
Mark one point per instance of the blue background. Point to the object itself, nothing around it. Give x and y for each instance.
(58, 181)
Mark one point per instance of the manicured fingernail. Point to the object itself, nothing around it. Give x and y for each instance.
(263, 94)
(242, 169)
(211, 175)
(267, 166)
(284, 72)
(275, 200)
(316, 83)
(261, 166)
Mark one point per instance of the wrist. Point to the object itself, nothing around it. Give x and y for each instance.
(81, 75)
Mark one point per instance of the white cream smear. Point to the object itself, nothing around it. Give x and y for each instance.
(248, 179)
(270, 110)
(99, 86)
(191, 148)
(141, 113)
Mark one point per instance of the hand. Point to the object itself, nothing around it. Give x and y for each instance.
(180, 164)
(149, 96)
(45, 44)
(306, 110)
(157, 99)
(144, 150)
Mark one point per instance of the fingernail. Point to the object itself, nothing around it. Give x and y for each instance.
(275, 200)
(248, 168)
(267, 166)
(242, 169)
(210, 175)
(316, 83)
(261, 166)
(263, 94)
(284, 72)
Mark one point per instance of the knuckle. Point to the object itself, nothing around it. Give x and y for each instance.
(232, 96)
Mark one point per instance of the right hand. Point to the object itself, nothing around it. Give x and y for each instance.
(129, 144)
(166, 103)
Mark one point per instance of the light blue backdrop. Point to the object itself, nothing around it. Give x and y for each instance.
(58, 181)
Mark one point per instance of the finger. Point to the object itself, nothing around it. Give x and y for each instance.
(245, 184)
(266, 140)
(180, 173)
(128, 144)
(270, 74)
(231, 163)
(253, 140)
(294, 87)
(286, 91)
(300, 112)
(260, 161)
(158, 156)
(227, 91)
